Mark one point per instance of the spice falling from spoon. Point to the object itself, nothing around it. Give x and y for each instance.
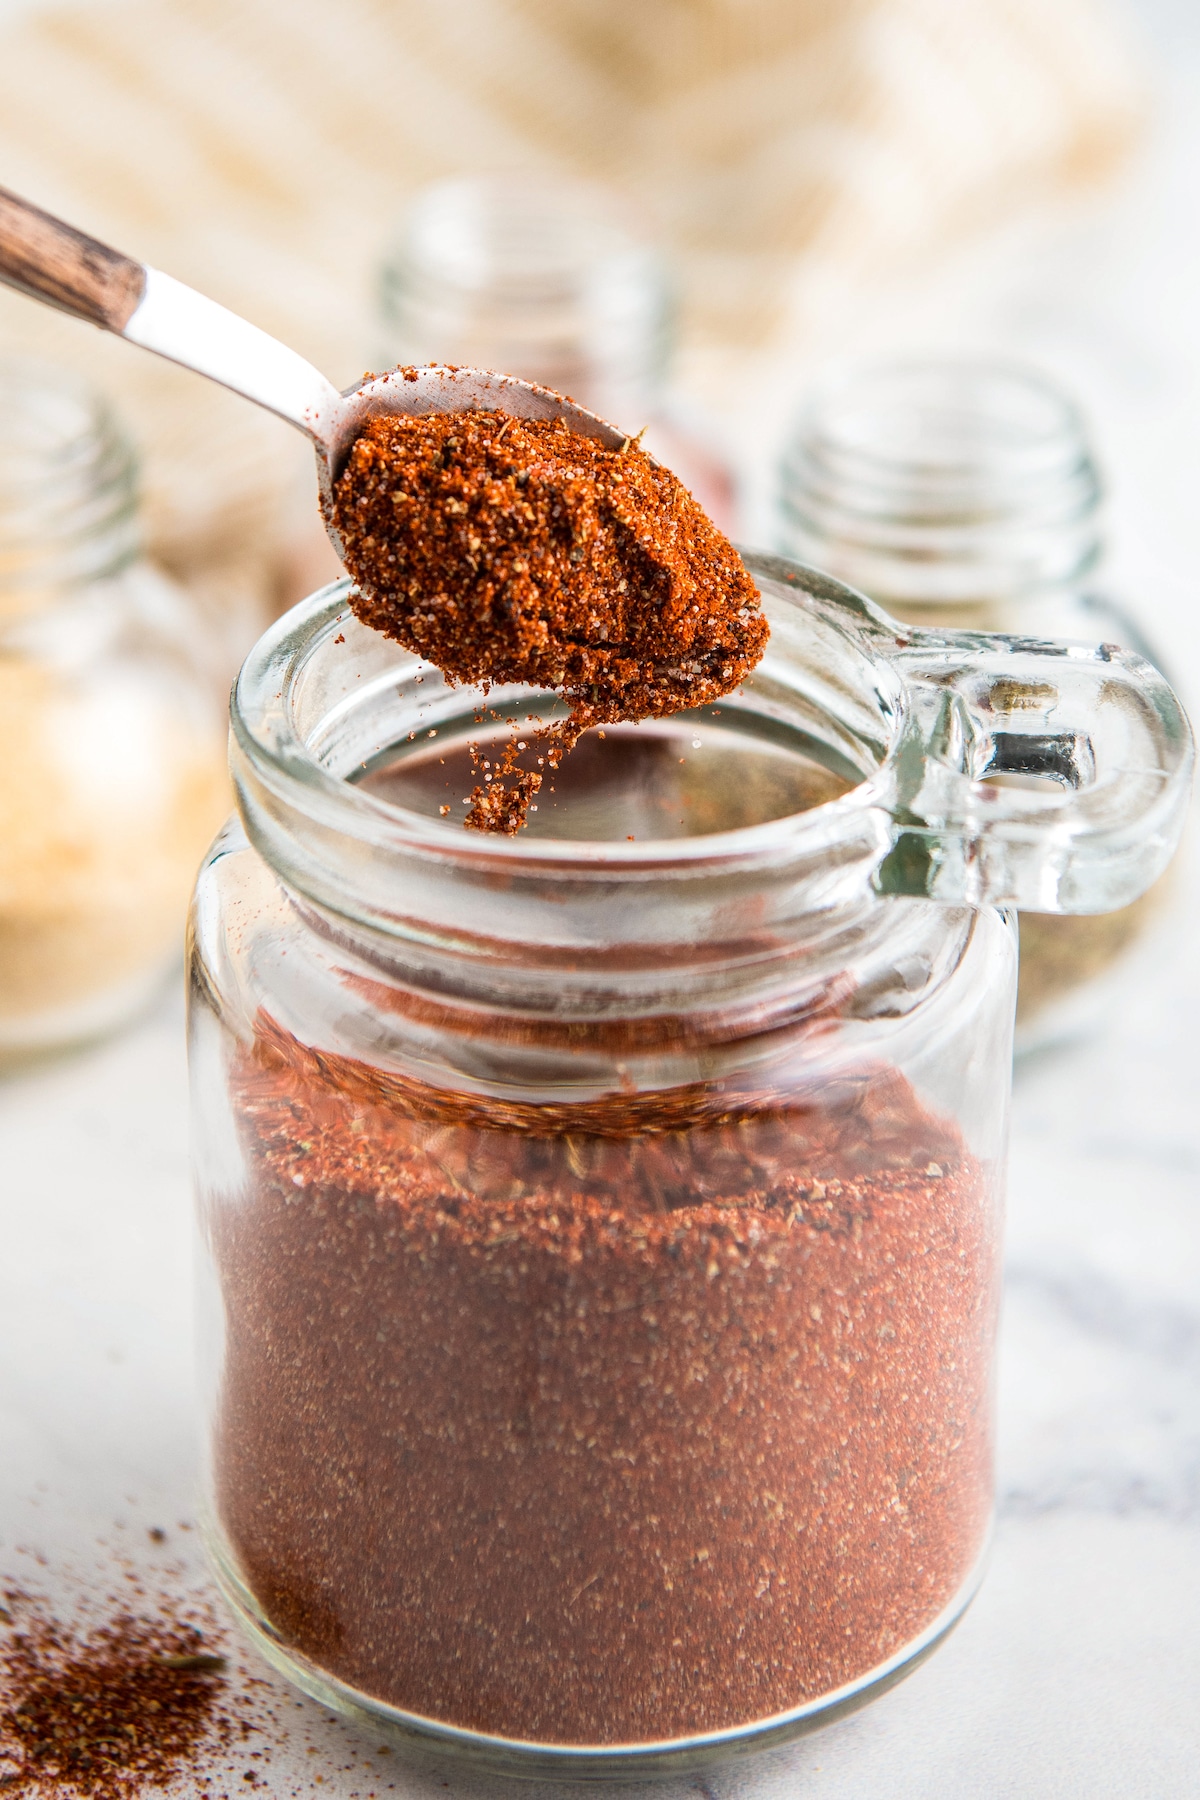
(504, 549)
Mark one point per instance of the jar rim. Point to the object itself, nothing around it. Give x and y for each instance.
(272, 742)
(525, 233)
(935, 480)
(947, 416)
(68, 485)
(551, 276)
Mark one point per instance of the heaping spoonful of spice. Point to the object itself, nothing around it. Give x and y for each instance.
(491, 526)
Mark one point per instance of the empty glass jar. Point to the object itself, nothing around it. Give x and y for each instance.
(603, 1224)
(965, 493)
(114, 778)
(546, 278)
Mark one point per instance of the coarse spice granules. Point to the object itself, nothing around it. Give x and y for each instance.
(507, 549)
(108, 1713)
(603, 1423)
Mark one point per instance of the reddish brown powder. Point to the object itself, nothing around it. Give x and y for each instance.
(507, 549)
(608, 1423)
(109, 1713)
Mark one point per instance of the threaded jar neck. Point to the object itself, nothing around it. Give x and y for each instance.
(942, 482)
(537, 277)
(68, 487)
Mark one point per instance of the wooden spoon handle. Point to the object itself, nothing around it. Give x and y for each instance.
(53, 262)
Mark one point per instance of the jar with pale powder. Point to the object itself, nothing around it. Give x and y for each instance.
(114, 760)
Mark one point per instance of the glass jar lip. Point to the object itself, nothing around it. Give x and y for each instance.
(266, 731)
(525, 234)
(554, 277)
(943, 480)
(68, 485)
(1013, 408)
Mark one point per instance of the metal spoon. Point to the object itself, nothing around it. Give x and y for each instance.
(54, 262)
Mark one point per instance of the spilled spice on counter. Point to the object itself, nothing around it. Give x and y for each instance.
(514, 550)
(600, 1422)
(106, 1713)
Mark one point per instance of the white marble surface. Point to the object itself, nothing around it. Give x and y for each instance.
(1077, 1672)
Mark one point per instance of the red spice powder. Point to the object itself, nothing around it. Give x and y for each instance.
(507, 549)
(607, 1423)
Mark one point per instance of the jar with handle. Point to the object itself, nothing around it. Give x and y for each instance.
(602, 1226)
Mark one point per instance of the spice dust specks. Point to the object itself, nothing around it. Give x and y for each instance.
(109, 1712)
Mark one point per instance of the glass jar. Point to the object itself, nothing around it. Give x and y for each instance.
(603, 1225)
(965, 492)
(547, 279)
(115, 775)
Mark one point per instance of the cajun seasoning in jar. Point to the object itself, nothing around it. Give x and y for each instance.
(603, 1221)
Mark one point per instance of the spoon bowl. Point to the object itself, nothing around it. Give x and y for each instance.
(436, 388)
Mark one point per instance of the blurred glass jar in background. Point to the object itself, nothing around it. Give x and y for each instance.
(115, 775)
(956, 493)
(545, 278)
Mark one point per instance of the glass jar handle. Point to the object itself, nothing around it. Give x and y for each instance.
(1047, 776)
